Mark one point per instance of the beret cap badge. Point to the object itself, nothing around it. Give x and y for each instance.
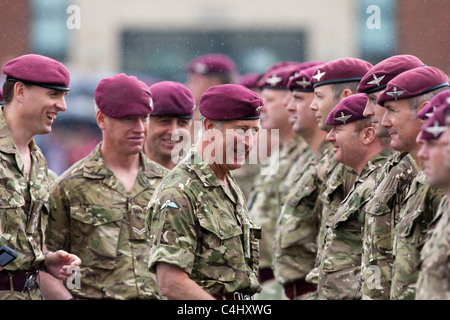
(343, 117)
(395, 93)
(376, 80)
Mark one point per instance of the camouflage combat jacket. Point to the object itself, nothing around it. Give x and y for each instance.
(295, 242)
(340, 268)
(382, 213)
(265, 201)
(23, 203)
(93, 216)
(203, 228)
(433, 281)
(419, 208)
(338, 180)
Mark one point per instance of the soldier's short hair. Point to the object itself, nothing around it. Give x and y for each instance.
(218, 124)
(8, 92)
(416, 101)
(338, 88)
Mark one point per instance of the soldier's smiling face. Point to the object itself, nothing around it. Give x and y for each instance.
(164, 134)
(125, 135)
(346, 144)
(232, 143)
(42, 105)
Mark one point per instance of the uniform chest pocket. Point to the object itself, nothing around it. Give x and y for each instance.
(222, 228)
(405, 227)
(10, 199)
(95, 232)
(379, 225)
(220, 245)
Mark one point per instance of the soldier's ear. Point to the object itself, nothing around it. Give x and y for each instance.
(368, 135)
(100, 117)
(420, 106)
(345, 93)
(19, 91)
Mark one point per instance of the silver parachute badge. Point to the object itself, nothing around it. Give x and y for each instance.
(169, 204)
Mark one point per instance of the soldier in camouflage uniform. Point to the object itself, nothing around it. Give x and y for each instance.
(204, 244)
(384, 249)
(297, 226)
(205, 71)
(419, 209)
(98, 204)
(357, 145)
(34, 93)
(170, 123)
(289, 155)
(433, 280)
(391, 190)
(332, 82)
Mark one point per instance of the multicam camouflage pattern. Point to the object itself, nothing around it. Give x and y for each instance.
(93, 216)
(340, 268)
(23, 204)
(292, 160)
(382, 213)
(419, 208)
(338, 180)
(295, 242)
(433, 282)
(203, 228)
(265, 201)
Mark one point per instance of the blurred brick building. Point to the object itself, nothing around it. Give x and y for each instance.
(15, 24)
(423, 29)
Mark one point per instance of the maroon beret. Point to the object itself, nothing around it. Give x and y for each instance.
(341, 70)
(172, 99)
(212, 64)
(230, 102)
(302, 81)
(250, 80)
(278, 78)
(348, 110)
(434, 126)
(123, 96)
(426, 112)
(38, 70)
(377, 77)
(412, 83)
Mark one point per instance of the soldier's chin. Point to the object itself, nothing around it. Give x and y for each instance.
(236, 162)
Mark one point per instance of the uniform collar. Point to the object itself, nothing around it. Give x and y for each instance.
(209, 179)
(94, 168)
(202, 168)
(377, 160)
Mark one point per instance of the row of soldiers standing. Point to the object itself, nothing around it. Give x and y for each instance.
(343, 217)
(358, 221)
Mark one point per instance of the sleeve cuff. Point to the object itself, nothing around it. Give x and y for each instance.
(172, 255)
